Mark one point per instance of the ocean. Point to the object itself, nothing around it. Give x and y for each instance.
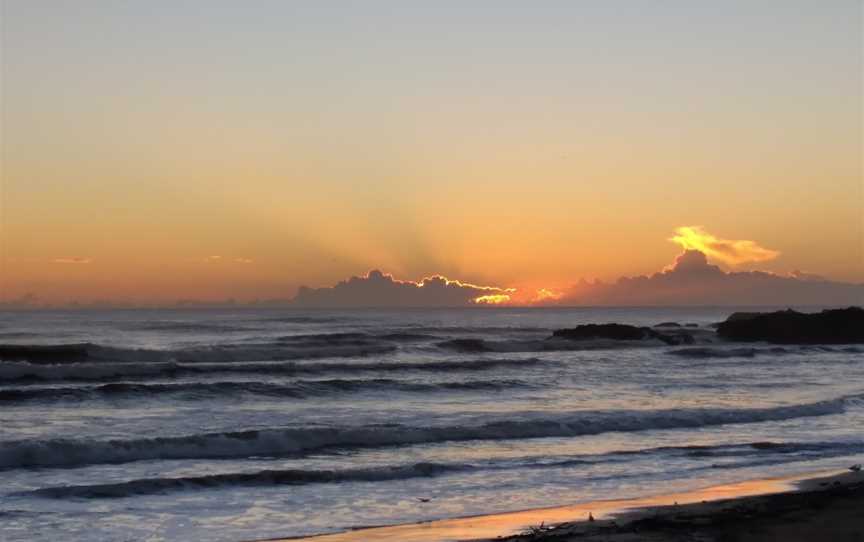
(244, 424)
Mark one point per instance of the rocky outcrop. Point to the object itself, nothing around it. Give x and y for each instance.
(837, 326)
(668, 324)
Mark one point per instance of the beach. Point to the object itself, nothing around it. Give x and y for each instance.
(819, 506)
(823, 508)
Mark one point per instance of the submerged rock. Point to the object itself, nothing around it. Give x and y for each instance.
(620, 332)
(836, 326)
(465, 345)
(37, 353)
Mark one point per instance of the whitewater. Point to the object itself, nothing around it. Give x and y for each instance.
(245, 424)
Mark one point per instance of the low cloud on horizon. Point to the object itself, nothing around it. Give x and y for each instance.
(692, 280)
(378, 289)
(73, 261)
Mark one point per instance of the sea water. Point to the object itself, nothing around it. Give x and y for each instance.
(229, 425)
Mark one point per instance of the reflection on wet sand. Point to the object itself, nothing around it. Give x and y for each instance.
(496, 525)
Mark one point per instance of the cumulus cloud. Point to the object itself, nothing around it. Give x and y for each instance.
(728, 251)
(378, 289)
(692, 280)
(72, 261)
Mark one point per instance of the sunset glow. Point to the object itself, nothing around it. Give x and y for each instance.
(415, 271)
(545, 294)
(319, 147)
(493, 299)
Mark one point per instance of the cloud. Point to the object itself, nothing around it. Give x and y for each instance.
(545, 294)
(728, 251)
(223, 259)
(378, 289)
(692, 280)
(73, 261)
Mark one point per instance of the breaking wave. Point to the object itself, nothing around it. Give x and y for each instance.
(150, 486)
(298, 389)
(705, 352)
(287, 348)
(752, 453)
(15, 372)
(305, 440)
(472, 345)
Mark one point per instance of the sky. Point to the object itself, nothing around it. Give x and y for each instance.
(162, 150)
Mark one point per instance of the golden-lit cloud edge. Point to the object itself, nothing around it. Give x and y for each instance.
(729, 251)
(379, 289)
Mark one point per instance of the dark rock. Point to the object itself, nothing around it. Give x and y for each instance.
(620, 332)
(837, 326)
(691, 325)
(465, 345)
(668, 324)
(739, 316)
(34, 353)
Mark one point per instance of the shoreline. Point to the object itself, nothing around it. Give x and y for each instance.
(726, 508)
(827, 507)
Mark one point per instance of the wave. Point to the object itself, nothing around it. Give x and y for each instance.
(473, 330)
(706, 352)
(788, 451)
(299, 389)
(19, 372)
(180, 327)
(22, 373)
(472, 345)
(149, 486)
(305, 440)
(300, 346)
(286, 348)
(306, 319)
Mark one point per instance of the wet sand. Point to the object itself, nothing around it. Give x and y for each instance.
(829, 509)
(821, 506)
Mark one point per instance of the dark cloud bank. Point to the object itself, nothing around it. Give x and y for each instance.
(690, 280)
(377, 289)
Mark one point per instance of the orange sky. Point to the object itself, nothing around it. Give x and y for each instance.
(155, 152)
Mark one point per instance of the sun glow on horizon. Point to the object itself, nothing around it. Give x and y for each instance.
(492, 299)
(545, 294)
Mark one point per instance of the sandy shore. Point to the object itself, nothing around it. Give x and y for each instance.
(827, 509)
(822, 506)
